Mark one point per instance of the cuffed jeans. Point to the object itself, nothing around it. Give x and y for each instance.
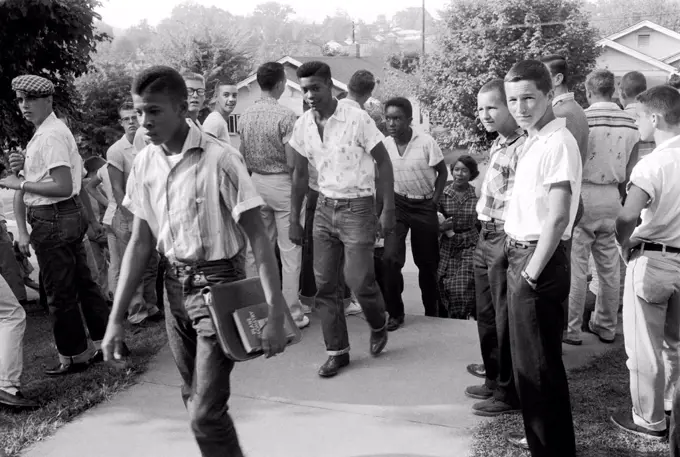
(204, 368)
(491, 287)
(536, 320)
(345, 227)
(307, 281)
(143, 302)
(12, 327)
(420, 216)
(275, 190)
(651, 329)
(595, 233)
(57, 238)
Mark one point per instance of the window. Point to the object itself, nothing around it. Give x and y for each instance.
(643, 41)
(233, 123)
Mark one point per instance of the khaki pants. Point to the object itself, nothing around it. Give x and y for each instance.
(651, 328)
(12, 327)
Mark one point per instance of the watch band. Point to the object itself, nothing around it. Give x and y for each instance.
(23, 183)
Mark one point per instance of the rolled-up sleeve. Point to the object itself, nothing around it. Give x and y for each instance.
(236, 188)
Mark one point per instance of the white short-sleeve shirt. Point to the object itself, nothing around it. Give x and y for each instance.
(414, 173)
(103, 175)
(52, 146)
(121, 155)
(216, 126)
(549, 157)
(658, 174)
(343, 159)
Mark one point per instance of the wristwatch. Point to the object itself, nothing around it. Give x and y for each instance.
(531, 281)
(23, 183)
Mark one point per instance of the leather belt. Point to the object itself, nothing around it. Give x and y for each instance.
(656, 247)
(521, 244)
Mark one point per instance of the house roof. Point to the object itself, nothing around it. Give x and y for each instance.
(636, 54)
(342, 68)
(642, 24)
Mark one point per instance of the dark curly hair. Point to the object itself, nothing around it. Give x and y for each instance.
(470, 163)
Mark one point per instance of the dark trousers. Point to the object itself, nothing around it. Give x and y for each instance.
(420, 216)
(535, 319)
(344, 237)
(204, 368)
(674, 432)
(491, 287)
(160, 280)
(307, 281)
(57, 238)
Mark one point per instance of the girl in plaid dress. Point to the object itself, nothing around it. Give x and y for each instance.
(456, 273)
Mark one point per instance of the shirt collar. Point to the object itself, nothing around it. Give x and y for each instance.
(675, 141)
(514, 136)
(268, 100)
(340, 114)
(551, 127)
(194, 140)
(562, 98)
(604, 105)
(469, 192)
(348, 102)
(126, 143)
(49, 120)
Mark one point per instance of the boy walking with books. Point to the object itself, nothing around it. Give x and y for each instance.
(651, 298)
(192, 195)
(538, 224)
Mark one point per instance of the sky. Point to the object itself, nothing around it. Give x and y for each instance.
(125, 13)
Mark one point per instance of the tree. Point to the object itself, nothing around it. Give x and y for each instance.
(50, 38)
(412, 19)
(482, 40)
(611, 16)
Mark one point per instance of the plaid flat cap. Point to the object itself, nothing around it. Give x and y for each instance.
(36, 86)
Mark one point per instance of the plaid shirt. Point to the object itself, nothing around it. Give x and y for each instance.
(500, 177)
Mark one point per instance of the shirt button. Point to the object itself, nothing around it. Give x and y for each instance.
(199, 200)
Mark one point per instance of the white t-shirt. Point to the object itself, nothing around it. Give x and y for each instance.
(414, 173)
(658, 174)
(550, 157)
(216, 126)
(103, 175)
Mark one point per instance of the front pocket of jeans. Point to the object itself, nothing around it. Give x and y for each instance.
(362, 208)
(71, 227)
(648, 283)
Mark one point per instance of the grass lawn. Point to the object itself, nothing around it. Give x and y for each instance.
(597, 390)
(63, 398)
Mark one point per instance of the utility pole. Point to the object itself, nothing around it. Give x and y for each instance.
(422, 54)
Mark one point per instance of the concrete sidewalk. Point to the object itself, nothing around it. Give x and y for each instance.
(409, 402)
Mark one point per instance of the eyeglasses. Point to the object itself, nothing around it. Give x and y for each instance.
(129, 119)
(199, 92)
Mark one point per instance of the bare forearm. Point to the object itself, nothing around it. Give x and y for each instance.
(624, 229)
(386, 183)
(132, 270)
(20, 211)
(49, 189)
(298, 192)
(439, 185)
(267, 270)
(118, 194)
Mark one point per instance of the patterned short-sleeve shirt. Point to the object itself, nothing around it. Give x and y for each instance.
(265, 128)
(193, 206)
(343, 158)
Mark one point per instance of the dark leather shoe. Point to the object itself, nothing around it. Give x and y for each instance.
(623, 419)
(97, 357)
(378, 341)
(394, 323)
(477, 369)
(16, 401)
(333, 365)
(479, 392)
(516, 439)
(63, 369)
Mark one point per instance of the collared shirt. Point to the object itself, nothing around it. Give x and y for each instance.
(265, 128)
(343, 158)
(549, 157)
(612, 138)
(644, 147)
(348, 102)
(500, 176)
(140, 141)
(193, 207)
(52, 146)
(565, 106)
(414, 173)
(216, 126)
(121, 155)
(103, 175)
(658, 174)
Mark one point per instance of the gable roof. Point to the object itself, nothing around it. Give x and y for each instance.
(642, 24)
(342, 68)
(636, 54)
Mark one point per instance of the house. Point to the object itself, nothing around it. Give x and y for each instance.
(342, 69)
(645, 47)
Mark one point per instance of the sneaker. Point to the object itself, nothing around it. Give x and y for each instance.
(352, 308)
(572, 341)
(479, 392)
(594, 332)
(493, 407)
(516, 439)
(624, 421)
(302, 323)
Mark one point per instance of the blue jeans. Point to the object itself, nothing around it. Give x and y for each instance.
(57, 238)
(345, 227)
(204, 368)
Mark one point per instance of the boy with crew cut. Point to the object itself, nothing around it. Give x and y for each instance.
(189, 173)
(538, 224)
(633, 84)
(216, 124)
(498, 390)
(341, 143)
(651, 298)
